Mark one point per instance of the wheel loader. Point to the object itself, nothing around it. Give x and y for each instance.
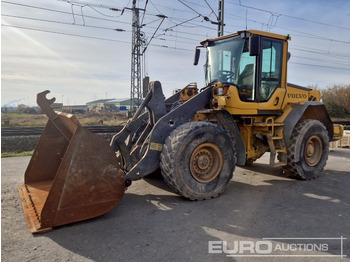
(195, 137)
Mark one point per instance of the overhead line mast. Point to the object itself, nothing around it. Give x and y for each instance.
(221, 18)
(136, 89)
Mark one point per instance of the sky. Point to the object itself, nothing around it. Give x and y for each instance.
(73, 49)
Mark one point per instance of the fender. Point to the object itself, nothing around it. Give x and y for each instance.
(308, 110)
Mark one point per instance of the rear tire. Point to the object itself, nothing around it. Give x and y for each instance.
(308, 150)
(198, 160)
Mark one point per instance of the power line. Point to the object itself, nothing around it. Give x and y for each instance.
(167, 30)
(194, 10)
(323, 66)
(294, 17)
(64, 33)
(322, 60)
(206, 18)
(89, 37)
(64, 23)
(321, 38)
(340, 55)
(155, 6)
(303, 34)
(155, 45)
(94, 17)
(144, 13)
(64, 12)
(178, 24)
(84, 3)
(322, 52)
(103, 13)
(144, 50)
(211, 9)
(106, 28)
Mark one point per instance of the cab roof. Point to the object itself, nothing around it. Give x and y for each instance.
(252, 32)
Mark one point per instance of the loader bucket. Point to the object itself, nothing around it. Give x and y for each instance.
(73, 174)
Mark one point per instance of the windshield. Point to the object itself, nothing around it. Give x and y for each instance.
(227, 59)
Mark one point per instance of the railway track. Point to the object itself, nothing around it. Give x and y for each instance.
(29, 131)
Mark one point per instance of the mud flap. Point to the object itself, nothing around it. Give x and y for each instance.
(73, 175)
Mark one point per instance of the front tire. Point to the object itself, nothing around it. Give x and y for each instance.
(308, 150)
(198, 160)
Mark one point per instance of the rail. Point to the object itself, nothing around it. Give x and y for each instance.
(28, 131)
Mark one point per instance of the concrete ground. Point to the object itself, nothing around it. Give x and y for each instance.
(152, 223)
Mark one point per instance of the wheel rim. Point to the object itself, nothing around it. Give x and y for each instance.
(206, 162)
(313, 150)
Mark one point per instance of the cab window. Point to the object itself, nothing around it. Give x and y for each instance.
(246, 76)
(271, 68)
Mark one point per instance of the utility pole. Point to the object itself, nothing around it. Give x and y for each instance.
(136, 89)
(221, 18)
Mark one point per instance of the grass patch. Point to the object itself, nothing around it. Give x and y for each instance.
(13, 154)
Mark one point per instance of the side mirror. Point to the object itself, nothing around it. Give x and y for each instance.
(196, 55)
(254, 45)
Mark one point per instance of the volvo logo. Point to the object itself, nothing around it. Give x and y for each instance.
(303, 96)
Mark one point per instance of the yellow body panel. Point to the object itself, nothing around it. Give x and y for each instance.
(233, 104)
(279, 100)
(295, 95)
(261, 109)
(275, 102)
(338, 132)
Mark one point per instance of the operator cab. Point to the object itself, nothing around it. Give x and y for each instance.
(250, 62)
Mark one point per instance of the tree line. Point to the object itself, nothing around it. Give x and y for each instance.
(337, 100)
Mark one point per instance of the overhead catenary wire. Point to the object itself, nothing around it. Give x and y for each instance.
(323, 66)
(93, 17)
(181, 28)
(144, 13)
(234, 15)
(333, 62)
(181, 23)
(99, 18)
(194, 10)
(63, 23)
(335, 40)
(64, 12)
(149, 41)
(155, 45)
(89, 37)
(64, 33)
(195, 41)
(211, 9)
(293, 17)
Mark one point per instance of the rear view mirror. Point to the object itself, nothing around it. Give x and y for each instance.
(196, 55)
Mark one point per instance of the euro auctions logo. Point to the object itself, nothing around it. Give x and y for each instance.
(280, 247)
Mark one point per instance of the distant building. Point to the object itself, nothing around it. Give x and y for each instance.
(124, 104)
(56, 106)
(99, 101)
(113, 104)
(77, 109)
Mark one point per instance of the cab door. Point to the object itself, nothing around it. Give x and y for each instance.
(271, 87)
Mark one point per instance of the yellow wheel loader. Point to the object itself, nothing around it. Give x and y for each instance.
(195, 137)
